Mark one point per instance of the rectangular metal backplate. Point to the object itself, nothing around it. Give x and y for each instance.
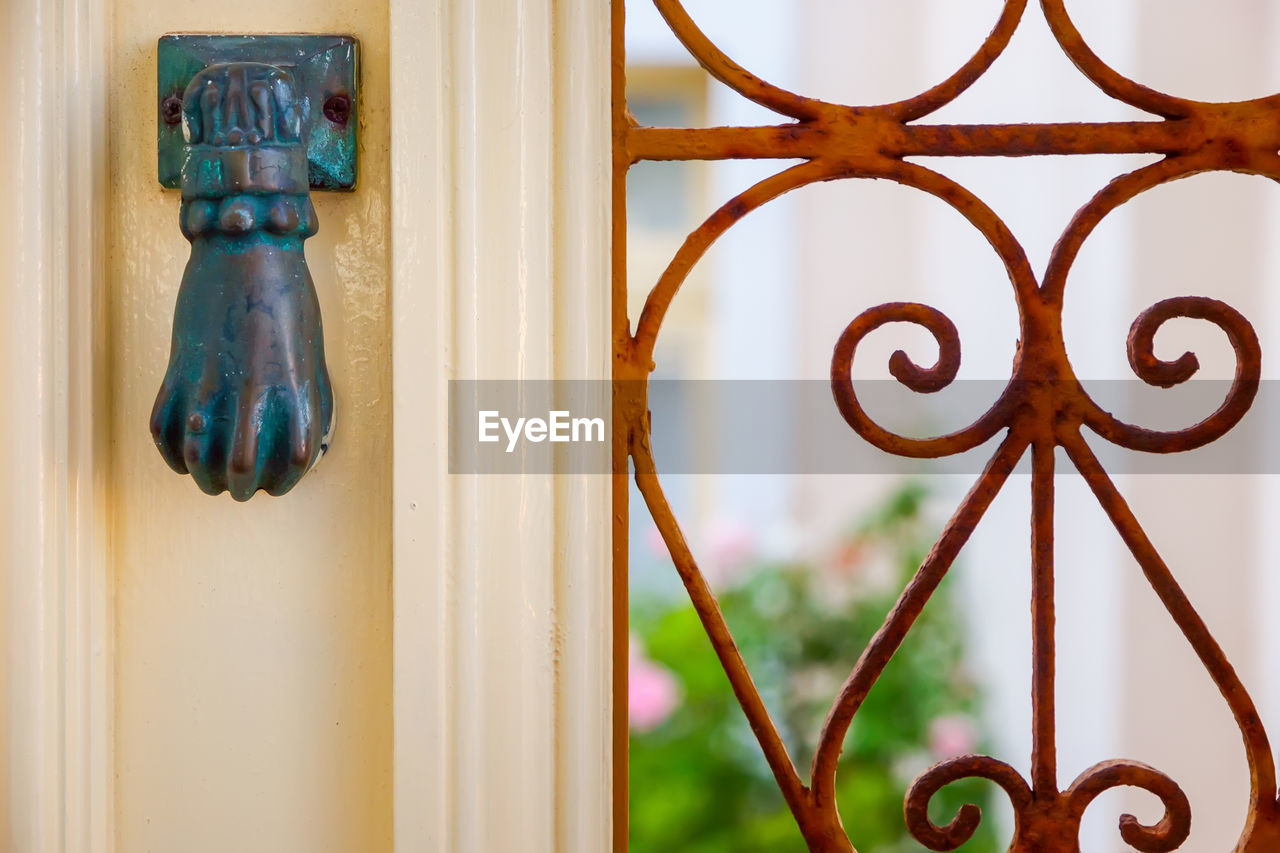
(327, 71)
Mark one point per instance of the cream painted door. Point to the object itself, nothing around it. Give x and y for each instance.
(390, 656)
(253, 689)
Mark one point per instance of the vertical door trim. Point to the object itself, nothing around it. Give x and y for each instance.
(55, 590)
(500, 270)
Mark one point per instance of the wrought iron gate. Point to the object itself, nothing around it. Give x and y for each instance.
(1043, 406)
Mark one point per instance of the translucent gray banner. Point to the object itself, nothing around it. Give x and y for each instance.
(794, 427)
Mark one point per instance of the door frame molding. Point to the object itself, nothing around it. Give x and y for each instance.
(501, 204)
(56, 706)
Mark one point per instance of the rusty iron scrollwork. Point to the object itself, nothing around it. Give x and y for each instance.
(1043, 406)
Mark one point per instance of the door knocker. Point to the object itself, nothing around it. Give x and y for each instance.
(252, 124)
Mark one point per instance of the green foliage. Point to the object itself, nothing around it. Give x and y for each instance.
(698, 780)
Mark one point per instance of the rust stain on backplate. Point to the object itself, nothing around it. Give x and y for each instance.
(1043, 406)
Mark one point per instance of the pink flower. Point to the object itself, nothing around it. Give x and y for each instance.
(656, 544)
(951, 735)
(652, 691)
(730, 545)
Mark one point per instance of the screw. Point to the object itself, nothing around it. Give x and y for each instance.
(171, 109)
(337, 109)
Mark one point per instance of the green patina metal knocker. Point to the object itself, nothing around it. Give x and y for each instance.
(246, 403)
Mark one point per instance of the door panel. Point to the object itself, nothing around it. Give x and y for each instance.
(253, 670)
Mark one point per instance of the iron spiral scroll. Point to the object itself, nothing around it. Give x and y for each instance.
(1042, 407)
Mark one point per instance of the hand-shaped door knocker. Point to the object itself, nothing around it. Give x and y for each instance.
(246, 402)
